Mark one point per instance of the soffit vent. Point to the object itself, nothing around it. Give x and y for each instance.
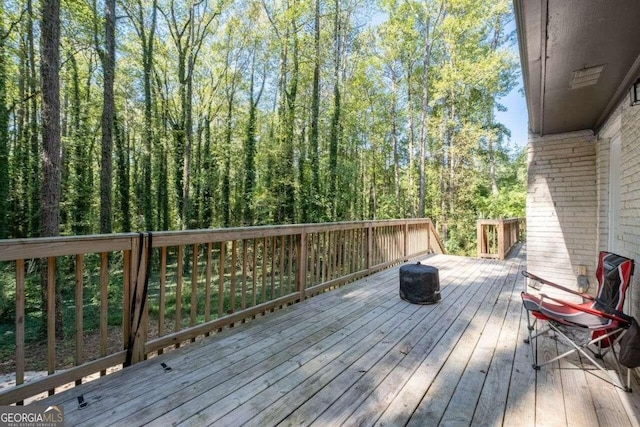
(585, 76)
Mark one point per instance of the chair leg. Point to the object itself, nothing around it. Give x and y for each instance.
(530, 328)
(627, 385)
(582, 350)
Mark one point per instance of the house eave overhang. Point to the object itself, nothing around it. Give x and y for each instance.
(558, 38)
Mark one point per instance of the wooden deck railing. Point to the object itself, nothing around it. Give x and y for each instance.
(496, 237)
(150, 292)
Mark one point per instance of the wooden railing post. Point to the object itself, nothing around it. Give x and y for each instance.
(138, 319)
(429, 236)
(301, 279)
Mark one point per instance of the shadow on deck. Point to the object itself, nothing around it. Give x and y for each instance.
(360, 355)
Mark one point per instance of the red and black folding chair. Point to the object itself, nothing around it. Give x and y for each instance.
(601, 315)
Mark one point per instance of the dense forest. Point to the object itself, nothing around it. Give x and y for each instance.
(131, 115)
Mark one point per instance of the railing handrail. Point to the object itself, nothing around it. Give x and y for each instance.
(43, 247)
(499, 221)
(300, 260)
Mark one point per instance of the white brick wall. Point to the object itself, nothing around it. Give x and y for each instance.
(630, 194)
(562, 206)
(602, 188)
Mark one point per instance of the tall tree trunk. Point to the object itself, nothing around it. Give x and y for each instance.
(335, 118)
(289, 152)
(208, 185)
(123, 181)
(492, 168)
(148, 43)
(51, 161)
(162, 159)
(35, 178)
(412, 138)
(188, 134)
(188, 38)
(424, 133)
(146, 33)
(250, 147)
(82, 175)
(4, 135)
(108, 57)
(249, 160)
(20, 183)
(50, 64)
(226, 179)
(495, 42)
(315, 113)
(394, 140)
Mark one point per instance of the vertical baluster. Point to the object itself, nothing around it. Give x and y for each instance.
(179, 289)
(336, 254)
(162, 292)
(253, 272)
(273, 267)
(375, 246)
(245, 252)
(51, 317)
(126, 297)
(290, 275)
(232, 273)
(20, 297)
(358, 249)
(314, 259)
(383, 245)
(390, 237)
(79, 303)
(264, 269)
(327, 261)
(331, 259)
(362, 253)
(340, 254)
(194, 287)
(353, 250)
(207, 284)
(312, 264)
(384, 234)
(281, 272)
(104, 305)
(221, 279)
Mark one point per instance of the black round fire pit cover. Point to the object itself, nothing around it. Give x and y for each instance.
(419, 284)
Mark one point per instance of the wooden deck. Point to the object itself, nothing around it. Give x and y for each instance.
(360, 355)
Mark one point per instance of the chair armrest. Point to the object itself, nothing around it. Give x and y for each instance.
(555, 285)
(589, 310)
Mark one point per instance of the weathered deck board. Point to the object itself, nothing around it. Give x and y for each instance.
(452, 351)
(371, 368)
(359, 355)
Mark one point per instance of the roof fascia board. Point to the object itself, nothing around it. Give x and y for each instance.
(544, 26)
(524, 57)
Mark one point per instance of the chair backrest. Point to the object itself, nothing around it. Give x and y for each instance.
(614, 274)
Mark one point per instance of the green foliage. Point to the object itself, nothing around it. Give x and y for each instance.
(253, 117)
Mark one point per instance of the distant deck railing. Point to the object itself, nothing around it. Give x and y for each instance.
(496, 237)
(155, 291)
